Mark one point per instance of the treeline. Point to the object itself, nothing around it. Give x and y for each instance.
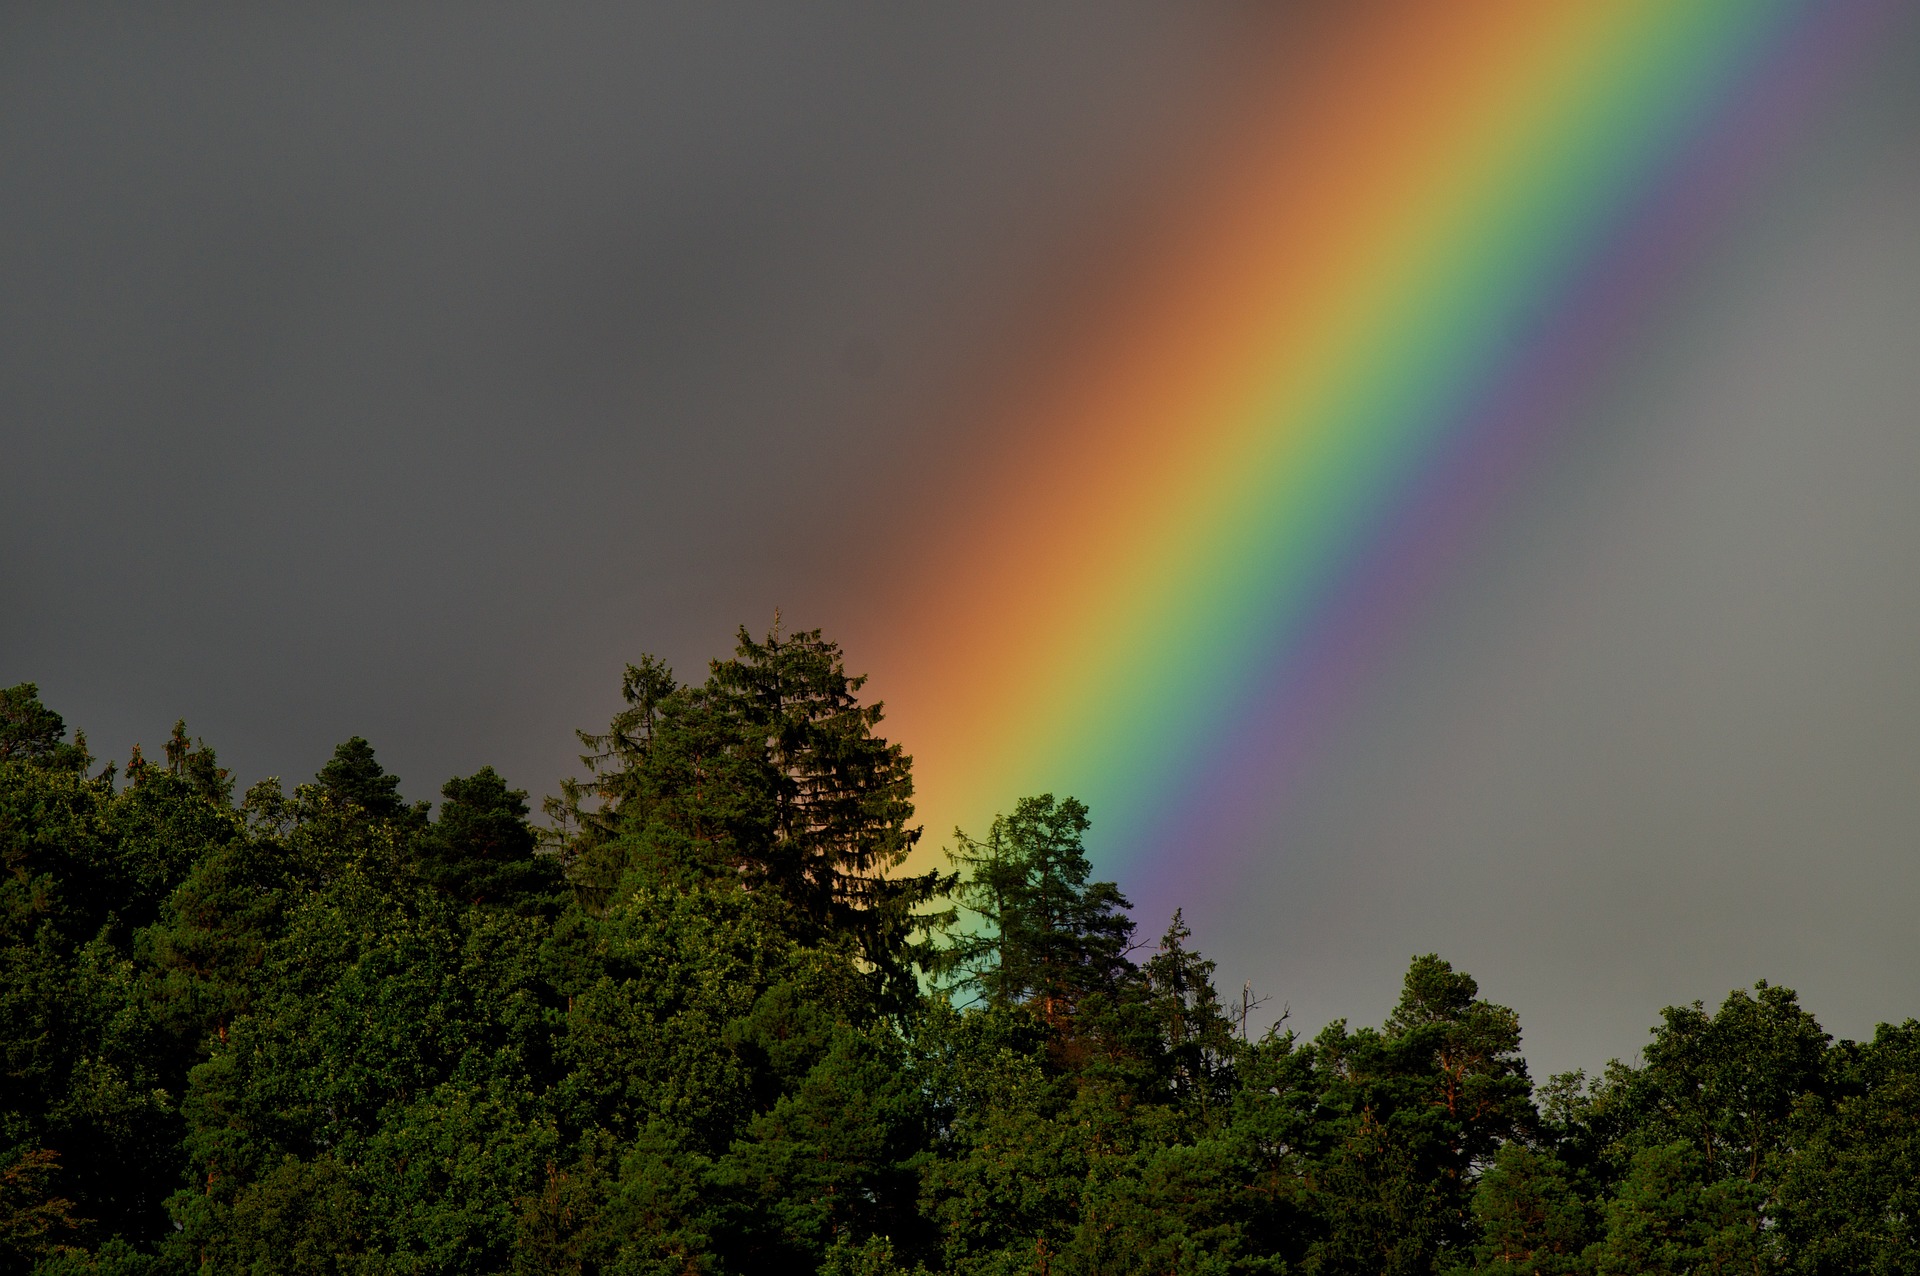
(701, 1022)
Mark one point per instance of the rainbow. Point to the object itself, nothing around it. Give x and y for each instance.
(1413, 260)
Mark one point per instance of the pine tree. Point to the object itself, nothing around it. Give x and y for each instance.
(1479, 1078)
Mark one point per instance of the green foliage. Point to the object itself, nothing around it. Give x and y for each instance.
(195, 763)
(32, 1219)
(482, 850)
(88, 1111)
(1531, 1217)
(1050, 937)
(331, 1032)
(31, 732)
(353, 778)
(1195, 1033)
(768, 776)
(1849, 1199)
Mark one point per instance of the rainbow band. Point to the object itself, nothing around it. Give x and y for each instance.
(1436, 232)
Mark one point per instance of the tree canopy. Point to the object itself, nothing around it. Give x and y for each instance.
(703, 1020)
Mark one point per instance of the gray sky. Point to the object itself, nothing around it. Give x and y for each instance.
(1660, 737)
(403, 374)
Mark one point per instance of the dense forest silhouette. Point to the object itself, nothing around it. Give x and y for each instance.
(701, 1021)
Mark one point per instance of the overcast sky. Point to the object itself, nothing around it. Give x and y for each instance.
(1661, 736)
(404, 373)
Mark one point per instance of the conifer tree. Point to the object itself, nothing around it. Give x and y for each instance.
(481, 850)
(1531, 1219)
(841, 797)
(31, 732)
(353, 777)
(1050, 936)
(769, 775)
(1479, 1078)
(1197, 1035)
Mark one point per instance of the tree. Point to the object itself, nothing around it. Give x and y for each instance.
(354, 778)
(1479, 1077)
(1670, 1217)
(1050, 937)
(769, 775)
(330, 1034)
(31, 732)
(1700, 1138)
(91, 1073)
(1408, 1116)
(481, 850)
(197, 765)
(32, 1219)
(1849, 1199)
(841, 795)
(1728, 1082)
(1196, 1034)
(1532, 1220)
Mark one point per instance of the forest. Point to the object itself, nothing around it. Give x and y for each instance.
(698, 1017)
